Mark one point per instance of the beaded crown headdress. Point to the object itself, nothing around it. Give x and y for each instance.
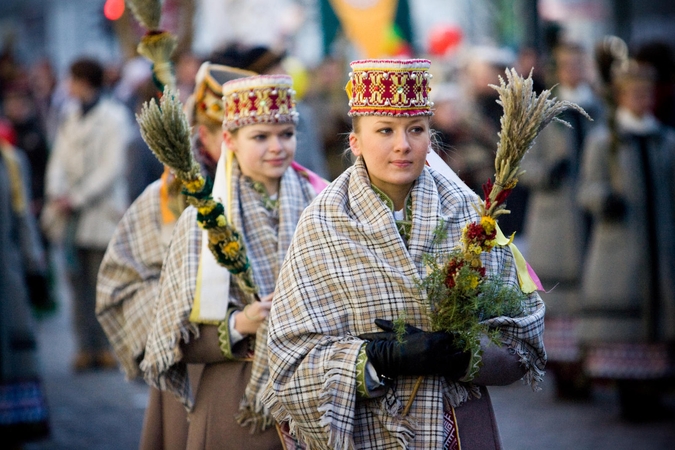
(387, 87)
(259, 99)
(208, 95)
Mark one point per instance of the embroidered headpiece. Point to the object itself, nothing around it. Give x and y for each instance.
(208, 95)
(259, 99)
(387, 87)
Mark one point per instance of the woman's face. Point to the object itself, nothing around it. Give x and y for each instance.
(637, 96)
(393, 148)
(264, 151)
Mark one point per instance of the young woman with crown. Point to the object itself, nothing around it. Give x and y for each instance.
(202, 315)
(350, 331)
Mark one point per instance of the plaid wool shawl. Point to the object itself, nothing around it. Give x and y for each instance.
(128, 279)
(348, 266)
(266, 241)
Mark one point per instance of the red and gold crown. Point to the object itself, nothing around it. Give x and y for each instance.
(259, 99)
(208, 95)
(387, 87)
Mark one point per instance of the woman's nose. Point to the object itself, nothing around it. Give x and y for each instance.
(401, 142)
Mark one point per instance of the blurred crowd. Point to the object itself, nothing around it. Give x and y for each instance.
(594, 210)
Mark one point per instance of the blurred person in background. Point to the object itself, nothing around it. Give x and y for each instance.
(186, 67)
(556, 229)
(43, 83)
(452, 132)
(86, 197)
(528, 61)
(325, 100)
(661, 56)
(627, 316)
(134, 74)
(471, 155)
(266, 61)
(20, 110)
(24, 414)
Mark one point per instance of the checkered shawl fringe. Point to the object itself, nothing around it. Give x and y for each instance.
(346, 267)
(128, 280)
(267, 242)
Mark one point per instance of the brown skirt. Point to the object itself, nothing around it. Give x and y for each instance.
(477, 424)
(212, 423)
(165, 425)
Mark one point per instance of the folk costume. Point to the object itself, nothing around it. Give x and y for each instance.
(197, 293)
(128, 281)
(557, 229)
(126, 293)
(353, 260)
(628, 313)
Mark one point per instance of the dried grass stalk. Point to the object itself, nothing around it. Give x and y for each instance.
(525, 115)
(147, 12)
(165, 129)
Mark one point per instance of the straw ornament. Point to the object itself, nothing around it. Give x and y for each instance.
(460, 292)
(147, 12)
(158, 46)
(164, 127)
(525, 115)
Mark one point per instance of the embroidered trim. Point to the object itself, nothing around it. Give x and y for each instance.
(259, 99)
(224, 335)
(361, 361)
(404, 226)
(389, 87)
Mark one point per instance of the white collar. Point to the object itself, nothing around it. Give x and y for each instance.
(582, 94)
(631, 123)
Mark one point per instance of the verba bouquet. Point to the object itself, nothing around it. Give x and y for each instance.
(461, 295)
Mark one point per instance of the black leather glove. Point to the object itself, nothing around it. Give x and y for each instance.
(419, 352)
(614, 209)
(558, 174)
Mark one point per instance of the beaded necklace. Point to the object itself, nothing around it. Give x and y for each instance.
(269, 203)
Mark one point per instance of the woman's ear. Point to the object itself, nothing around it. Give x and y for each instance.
(354, 144)
(228, 141)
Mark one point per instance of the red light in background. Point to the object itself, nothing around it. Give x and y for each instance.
(113, 9)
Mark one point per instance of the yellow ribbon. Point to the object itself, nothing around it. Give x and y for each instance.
(527, 284)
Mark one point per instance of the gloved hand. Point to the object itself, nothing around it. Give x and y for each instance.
(419, 353)
(558, 174)
(614, 209)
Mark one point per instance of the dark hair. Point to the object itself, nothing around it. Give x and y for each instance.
(258, 59)
(89, 71)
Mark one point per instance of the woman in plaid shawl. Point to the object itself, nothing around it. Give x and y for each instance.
(128, 280)
(340, 375)
(204, 317)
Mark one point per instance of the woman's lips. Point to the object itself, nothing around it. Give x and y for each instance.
(401, 163)
(276, 162)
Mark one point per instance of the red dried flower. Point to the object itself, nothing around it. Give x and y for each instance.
(453, 266)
